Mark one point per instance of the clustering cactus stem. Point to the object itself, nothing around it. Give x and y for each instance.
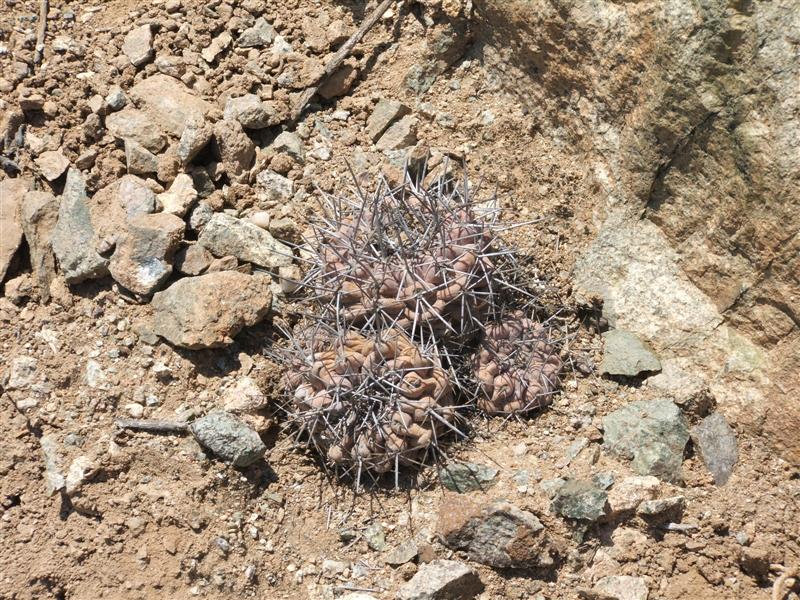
(409, 287)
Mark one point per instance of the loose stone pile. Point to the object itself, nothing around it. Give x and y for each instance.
(410, 293)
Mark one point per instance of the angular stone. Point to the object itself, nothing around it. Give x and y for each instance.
(134, 197)
(39, 216)
(53, 465)
(291, 144)
(375, 537)
(225, 235)
(629, 493)
(193, 260)
(716, 442)
(235, 149)
(22, 373)
(52, 164)
(209, 310)
(442, 580)
(383, 115)
(228, 438)
(651, 432)
(400, 555)
(497, 534)
(116, 98)
(170, 104)
(244, 396)
(216, 47)
(12, 192)
(662, 509)
(578, 499)
(259, 35)
(74, 240)
(274, 187)
(194, 139)
(467, 477)
(339, 83)
(401, 134)
(134, 124)
(141, 262)
(171, 65)
(250, 111)
(625, 354)
(140, 160)
(180, 196)
(138, 45)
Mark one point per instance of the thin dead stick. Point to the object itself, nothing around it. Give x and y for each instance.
(153, 425)
(44, 8)
(786, 579)
(340, 56)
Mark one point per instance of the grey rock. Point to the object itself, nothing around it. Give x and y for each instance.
(603, 480)
(200, 216)
(53, 464)
(116, 98)
(228, 438)
(209, 310)
(442, 580)
(651, 432)
(141, 262)
(250, 111)
(194, 138)
(625, 354)
(383, 115)
(74, 239)
(467, 477)
(39, 215)
(235, 149)
(135, 197)
(716, 442)
(550, 487)
(52, 164)
(138, 45)
(95, 377)
(291, 144)
(140, 160)
(12, 193)
(225, 235)
(261, 34)
(375, 537)
(79, 471)
(497, 534)
(180, 196)
(193, 260)
(400, 555)
(401, 134)
(578, 499)
(22, 373)
(217, 46)
(169, 103)
(130, 123)
(273, 187)
(170, 65)
(662, 509)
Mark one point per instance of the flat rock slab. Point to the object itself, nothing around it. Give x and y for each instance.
(579, 499)
(617, 587)
(225, 235)
(228, 438)
(651, 432)
(11, 194)
(717, 444)
(467, 477)
(625, 354)
(134, 124)
(209, 310)
(39, 216)
(74, 238)
(170, 103)
(442, 580)
(497, 534)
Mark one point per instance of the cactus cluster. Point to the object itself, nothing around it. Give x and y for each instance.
(410, 289)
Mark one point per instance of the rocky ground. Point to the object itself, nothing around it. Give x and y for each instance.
(154, 185)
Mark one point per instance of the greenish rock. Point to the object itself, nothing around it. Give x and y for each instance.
(625, 354)
(551, 486)
(653, 433)
(603, 480)
(375, 536)
(228, 438)
(467, 477)
(405, 552)
(579, 499)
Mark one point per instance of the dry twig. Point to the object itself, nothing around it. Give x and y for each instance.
(153, 425)
(44, 8)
